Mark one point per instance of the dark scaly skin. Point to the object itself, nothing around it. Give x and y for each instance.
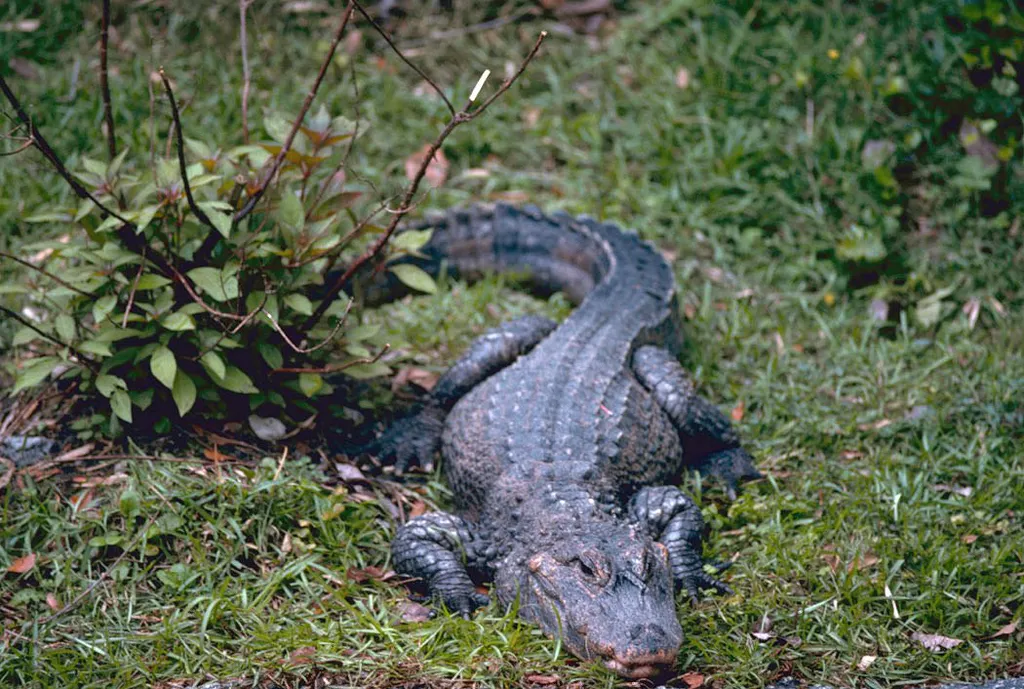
(562, 444)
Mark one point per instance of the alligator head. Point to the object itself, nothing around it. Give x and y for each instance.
(606, 591)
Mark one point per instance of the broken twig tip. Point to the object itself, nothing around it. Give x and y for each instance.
(479, 85)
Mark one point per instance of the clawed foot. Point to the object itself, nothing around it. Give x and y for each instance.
(465, 605)
(731, 466)
(412, 442)
(701, 581)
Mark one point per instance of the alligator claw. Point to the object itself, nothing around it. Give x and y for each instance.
(412, 441)
(465, 605)
(695, 583)
(731, 466)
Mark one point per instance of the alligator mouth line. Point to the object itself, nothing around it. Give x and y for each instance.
(639, 668)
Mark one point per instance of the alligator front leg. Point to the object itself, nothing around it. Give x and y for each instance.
(709, 441)
(413, 441)
(439, 548)
(674, 520)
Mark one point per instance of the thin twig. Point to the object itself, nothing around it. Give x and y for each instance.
(134, 289)
(28, 144)
(243, 6)
(309, 350)
(126, 231)
(280, 157)
(108, 114)
(196, 210)
(461, 117)
(444, 37)
(384, 35)
(334, 368)
(31, 266)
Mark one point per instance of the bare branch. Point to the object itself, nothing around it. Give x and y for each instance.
(134, 289)
(108, 115)
(384, 35)
(196, 210)
(126, 231)
(309, 350)
(279, 158)
(243, 6)
(36, 268)
(334, 368)
(461, 117)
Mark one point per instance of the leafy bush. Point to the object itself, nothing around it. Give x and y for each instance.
(231, 335)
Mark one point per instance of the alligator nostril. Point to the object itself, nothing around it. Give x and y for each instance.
(650, 634)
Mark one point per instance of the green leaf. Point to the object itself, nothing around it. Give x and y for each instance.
(290, 211)
(65, 326)
(103, 306)
(411, 240)
(212, 362)
(24, 336)
(220, 285)
(299, 304)
(164, 366)
(220, 220)
(107, 384)
(184, 393)
(130, 503)
(236, 381)
(363, 371)
(277, 127)
(34, 373)
(95, 167)
(178, 321)
(271, 355)
(310, 383)
(50, 216)
(121, 405)
(415, 277)
(145, 217)
(150, 281)
(95, 347)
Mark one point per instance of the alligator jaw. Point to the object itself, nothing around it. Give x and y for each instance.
(640, 667)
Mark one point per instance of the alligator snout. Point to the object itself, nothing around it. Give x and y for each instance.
(649, 650)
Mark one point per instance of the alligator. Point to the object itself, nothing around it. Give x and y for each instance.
(564, 443)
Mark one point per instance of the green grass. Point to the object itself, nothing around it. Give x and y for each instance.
(753, 178)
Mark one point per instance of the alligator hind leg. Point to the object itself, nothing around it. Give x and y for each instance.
(709, 441)
(414, 441)
(438, 548)
(673, 519)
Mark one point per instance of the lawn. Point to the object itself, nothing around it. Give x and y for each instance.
(843, 207)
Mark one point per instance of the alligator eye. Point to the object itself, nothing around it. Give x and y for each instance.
(586, 569)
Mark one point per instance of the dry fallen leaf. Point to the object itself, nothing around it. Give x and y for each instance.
(437, 169)
(738, 411)
(23, 564)
(969, 538)
(683, 78)
(304, 655)
(936, 642)
(286, 543)
(215, 455)
(418, 376)
(542, 680)
(52, 602)
(866, 662)
(832, 560)
(693, 679)
(1008, 630)
(413, 612)
(868, 559)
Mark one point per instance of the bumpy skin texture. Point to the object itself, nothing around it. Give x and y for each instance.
(562, 444)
